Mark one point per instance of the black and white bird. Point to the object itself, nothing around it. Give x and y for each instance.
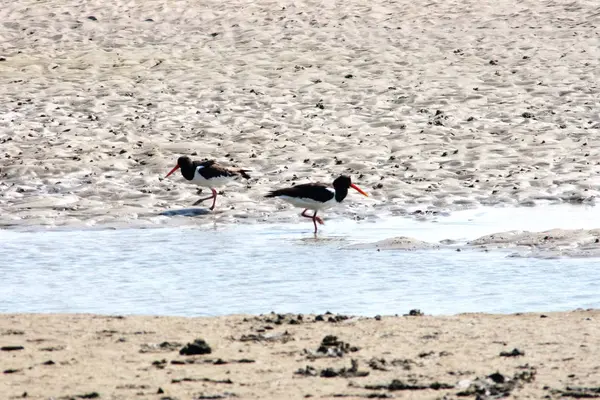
(316, 196)
(207, 174)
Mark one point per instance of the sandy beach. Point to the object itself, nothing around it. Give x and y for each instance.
(76, 356)
(432, 106)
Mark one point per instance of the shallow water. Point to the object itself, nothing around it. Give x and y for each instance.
(259, 268)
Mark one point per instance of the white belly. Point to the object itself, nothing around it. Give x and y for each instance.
(309, 204)
(210, 183)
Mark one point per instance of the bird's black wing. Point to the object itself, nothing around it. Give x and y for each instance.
(210, 169)
(315, 191)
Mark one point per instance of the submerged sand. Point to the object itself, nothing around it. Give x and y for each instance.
(554, 243)
(438, 105)
(74, 356)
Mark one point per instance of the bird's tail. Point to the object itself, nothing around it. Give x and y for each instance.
(244, 173)
(272, 193)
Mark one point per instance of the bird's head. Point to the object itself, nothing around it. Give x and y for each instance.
(181, 162)
(344, 182)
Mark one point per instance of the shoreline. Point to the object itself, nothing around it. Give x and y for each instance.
(544, 231)
(183, 216)
(529, 355)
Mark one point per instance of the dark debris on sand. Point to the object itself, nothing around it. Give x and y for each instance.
(514, 353)
(281, 319)
(578, 392)
(11, 371)
(381, 364)
(331, 346)
(351, 372)
(160, 348)
(225, 395)
(12, 332)
(198, 346)
(208, 380)
(91, 395)
(397, 384)
(278, 337)
(11, 348)
(218, 361)
(366, 396)
(295, 319)
(496, 385)
(330, 317)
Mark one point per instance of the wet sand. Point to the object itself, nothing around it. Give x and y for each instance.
(73, 356)
(436, 106)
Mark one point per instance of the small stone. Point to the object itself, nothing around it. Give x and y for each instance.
(497, 377)
(160, 391)
(329, 373)
(92, 18)
(199, 346)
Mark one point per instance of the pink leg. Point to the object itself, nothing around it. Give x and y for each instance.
(318, 219)
(314, 218)
(214, 192)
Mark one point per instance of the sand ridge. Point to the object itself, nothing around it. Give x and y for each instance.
(441, 106)
(553, 243)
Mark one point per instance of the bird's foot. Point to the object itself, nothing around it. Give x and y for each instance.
(319, 220)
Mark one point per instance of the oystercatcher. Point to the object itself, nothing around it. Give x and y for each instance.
(207, 174)
(316, 196)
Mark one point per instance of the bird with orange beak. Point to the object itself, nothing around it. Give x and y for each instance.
(316, 196)
(207, 174)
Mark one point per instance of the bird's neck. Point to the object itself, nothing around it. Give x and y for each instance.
(340, 194)
(188, 171)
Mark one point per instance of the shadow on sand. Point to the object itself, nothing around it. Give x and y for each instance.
(186, 212)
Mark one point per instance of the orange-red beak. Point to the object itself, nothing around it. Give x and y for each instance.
(173, 170)
(359, 190)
